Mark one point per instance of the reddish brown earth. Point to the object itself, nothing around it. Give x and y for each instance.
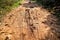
(29, 22)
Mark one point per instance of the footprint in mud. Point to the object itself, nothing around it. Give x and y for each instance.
(7, 25)
(10, 16)
(7, 38)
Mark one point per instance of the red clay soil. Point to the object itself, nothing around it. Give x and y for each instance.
(29, 23)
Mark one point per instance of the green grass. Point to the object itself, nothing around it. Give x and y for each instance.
(17, 4)
(7, 5)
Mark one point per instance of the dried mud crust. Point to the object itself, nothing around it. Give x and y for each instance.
(28, 24)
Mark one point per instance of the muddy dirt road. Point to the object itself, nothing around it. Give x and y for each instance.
(28, 22)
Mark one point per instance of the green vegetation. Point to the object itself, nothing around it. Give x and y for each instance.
(7, 5)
